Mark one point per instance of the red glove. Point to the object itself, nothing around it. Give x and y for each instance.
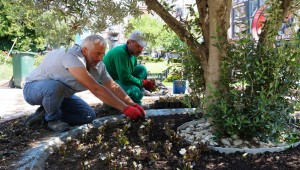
(132, 112)
(148, 84)
(141, 109)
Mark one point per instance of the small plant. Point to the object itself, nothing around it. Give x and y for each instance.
(86, 165)
(144, 131)
(137, 166)
(153, 145)
(106, 158)
(62, 150)
(153, 156)
(139, 153)
(187, 166)
(100, 137)
(190, 154)
(173, 136)
(120, 137)
(84, 136)
(168, 147)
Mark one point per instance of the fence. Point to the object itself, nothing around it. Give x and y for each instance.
(158, 76)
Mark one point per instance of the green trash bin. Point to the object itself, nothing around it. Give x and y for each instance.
(23, 64)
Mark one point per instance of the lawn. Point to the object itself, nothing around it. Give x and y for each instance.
(6, 71)
(158, 67)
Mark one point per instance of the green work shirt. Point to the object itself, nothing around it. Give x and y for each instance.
(120, 65)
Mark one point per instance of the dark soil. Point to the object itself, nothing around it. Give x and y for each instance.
(125, 145)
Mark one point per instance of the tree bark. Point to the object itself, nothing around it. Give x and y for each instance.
(219, 13)
(213, 21)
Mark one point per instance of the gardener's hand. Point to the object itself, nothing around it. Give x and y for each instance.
(132, 112)
(149, 84)
(141, 109)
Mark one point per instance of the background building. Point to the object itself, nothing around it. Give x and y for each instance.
(245, 13)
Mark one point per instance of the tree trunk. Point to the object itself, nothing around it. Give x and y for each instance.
(213, 16)
(219, 13)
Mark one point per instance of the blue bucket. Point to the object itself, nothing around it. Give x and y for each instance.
(179, 86)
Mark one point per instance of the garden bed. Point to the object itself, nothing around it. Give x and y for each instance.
(154, 144)
(150, 145)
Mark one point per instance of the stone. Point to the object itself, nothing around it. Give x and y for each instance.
(237, 142)
(235, 137)
(207, 138)
(191, 137)
(225, 141)
(211, 143)
(198, 134)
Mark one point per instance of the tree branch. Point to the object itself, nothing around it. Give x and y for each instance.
(203, 20)
(178, 28)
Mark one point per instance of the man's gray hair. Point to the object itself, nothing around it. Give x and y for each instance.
(91, 40)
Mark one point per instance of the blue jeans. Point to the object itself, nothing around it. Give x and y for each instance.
(51, 95)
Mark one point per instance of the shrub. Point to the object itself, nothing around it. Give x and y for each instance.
(172, 77)
(176, 60)
(260, 105)
(145, 58)
(140, 58)
(38, 59)
(4, 59)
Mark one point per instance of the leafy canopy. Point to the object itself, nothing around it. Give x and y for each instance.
(160, 36)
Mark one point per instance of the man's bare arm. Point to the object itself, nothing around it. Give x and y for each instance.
(101, 92)
(119, 92)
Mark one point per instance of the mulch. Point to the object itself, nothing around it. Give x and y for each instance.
(114, 146)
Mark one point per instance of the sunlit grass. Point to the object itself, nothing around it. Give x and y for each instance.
(6, 71)
(168, 84)
(158, 67)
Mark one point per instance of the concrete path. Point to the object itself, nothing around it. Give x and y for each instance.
(13, 105)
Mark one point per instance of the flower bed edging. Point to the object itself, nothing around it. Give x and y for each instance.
(232, 149)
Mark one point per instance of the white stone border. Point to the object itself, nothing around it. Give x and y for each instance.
(233, 150)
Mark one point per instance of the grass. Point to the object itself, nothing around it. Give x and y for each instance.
(6, 71)
(156, 67)
(167, 84)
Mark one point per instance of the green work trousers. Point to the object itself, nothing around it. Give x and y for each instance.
(135, 92)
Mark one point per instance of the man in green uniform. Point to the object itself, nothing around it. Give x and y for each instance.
(121, 64)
